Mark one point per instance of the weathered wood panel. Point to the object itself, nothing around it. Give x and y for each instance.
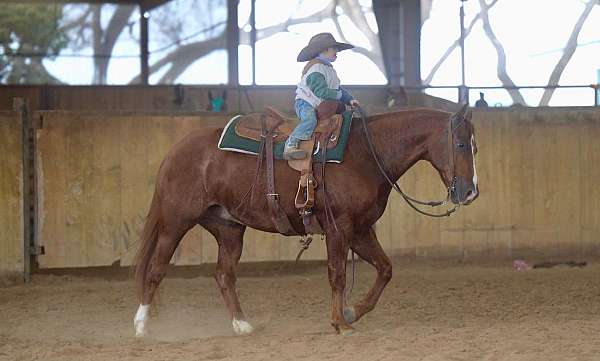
(187, 98)
(97, 177)
(538, 174)
(538, 171)
(11, 198)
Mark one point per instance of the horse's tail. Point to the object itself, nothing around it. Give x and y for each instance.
(147, 245)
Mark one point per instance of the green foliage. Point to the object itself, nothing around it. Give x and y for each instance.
(27, 30)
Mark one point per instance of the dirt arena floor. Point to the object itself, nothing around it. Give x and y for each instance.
(430, 311)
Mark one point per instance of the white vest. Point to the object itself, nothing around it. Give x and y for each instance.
(304, 92)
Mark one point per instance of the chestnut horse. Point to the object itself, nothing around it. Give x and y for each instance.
(199, 184)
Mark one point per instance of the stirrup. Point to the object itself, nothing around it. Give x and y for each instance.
(305, 200)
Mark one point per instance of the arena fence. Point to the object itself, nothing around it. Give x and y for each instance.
(95, 172)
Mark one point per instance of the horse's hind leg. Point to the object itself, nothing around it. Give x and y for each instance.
(168, 239)
(368, 248)
(229, 236)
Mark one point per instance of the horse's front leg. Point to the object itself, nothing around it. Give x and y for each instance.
(368, 248)
(337, 251)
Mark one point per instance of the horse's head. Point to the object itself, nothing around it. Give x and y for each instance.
(452, 153)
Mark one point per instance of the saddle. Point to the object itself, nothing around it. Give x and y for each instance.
(250, 126)
(273, 126)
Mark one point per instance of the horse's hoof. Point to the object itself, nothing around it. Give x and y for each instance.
(241, 327)
(347, 331)
(140, 328)
(349, 314)
(139, 320)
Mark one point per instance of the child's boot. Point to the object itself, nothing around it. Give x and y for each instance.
(291, 150)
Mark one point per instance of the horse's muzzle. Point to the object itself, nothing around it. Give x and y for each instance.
(464, 193)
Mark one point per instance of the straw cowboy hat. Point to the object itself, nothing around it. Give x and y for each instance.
(319, 43)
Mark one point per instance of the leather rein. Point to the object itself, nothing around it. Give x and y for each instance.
(409, 200)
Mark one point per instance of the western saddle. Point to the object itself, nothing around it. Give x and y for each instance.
(273, 126)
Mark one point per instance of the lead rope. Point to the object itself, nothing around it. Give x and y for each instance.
(396, 186)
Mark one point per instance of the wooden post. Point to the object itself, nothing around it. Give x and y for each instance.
(145, 68)
(20, 105)
(233, 41)
(253, 39)
(399, 23)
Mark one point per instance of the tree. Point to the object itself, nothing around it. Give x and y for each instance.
(502, 72)
(28, 34)
(187, 53)
(568, 52)
(85, 30)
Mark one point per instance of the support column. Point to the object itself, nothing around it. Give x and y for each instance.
(233, 42)
(253, 39)
(399, 23)
(20, 105)
(144, 53)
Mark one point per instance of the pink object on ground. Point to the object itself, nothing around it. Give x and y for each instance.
(520, 265)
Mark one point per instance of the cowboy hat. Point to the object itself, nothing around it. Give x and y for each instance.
(319, 43)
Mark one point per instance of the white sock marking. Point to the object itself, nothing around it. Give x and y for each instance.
(474, 169)
(139, 321)
(241, 327)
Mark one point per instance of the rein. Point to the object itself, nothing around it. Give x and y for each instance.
(409, 200)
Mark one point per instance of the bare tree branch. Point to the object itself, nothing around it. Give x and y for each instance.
(272, 30)
(515, 94)
(179, 59)
(78, 22)
(353, 10)
(188, 55)
(425, 10)
(104, 41)
(183, 57)
(453, 46)
(569, 50)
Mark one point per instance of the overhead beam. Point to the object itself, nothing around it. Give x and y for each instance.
(146, 4)
(124, 2)
(151, 4)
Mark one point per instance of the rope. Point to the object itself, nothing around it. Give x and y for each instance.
(395, 185)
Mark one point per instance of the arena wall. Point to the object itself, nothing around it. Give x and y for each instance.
(96, 178)
(538, 172)
(195, 98)
(11, 198)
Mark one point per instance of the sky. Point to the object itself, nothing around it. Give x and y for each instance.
(533, 33)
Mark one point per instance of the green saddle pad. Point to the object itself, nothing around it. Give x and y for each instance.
(230, 141)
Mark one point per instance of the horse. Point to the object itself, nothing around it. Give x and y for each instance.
(198, 184)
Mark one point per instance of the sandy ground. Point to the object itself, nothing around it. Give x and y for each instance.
(433, 311)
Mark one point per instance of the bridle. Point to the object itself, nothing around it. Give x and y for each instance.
(451, 163)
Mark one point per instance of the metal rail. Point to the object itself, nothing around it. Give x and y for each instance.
(594, 87)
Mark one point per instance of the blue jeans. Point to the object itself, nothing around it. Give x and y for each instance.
(308, 122)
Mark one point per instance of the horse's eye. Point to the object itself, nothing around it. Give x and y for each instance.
(461, 145)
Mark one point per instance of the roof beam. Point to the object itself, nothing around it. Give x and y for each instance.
(123, 2)
(145, 4)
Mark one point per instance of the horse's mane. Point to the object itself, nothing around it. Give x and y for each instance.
(409, 113)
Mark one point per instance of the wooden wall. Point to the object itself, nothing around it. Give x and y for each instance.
(95, 181)
(11, 198)
(538, 171)
(193, 98)
(538, 178)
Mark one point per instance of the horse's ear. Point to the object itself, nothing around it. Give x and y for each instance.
(469, 114)
(463, 111)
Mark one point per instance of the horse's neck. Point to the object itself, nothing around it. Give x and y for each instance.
(400, 140)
